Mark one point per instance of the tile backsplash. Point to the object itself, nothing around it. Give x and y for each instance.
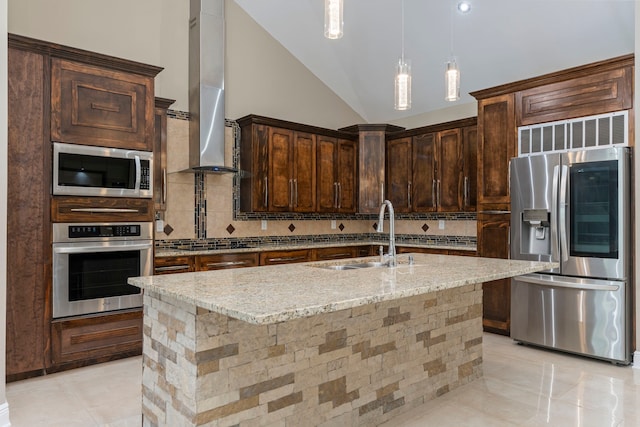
(203, 209)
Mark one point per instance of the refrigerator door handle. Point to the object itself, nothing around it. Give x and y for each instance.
(555, 256)
(556, 283)
(562, 213)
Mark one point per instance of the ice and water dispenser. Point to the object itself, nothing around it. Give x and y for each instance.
(535, 232)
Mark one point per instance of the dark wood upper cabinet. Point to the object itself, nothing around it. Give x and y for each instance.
(291, 176)
(336, 174)
(399, 173)
(496, 146)
(597, 93)
(470, 168)
(93, 105)
(425, 172)
(160, 153)
(449, 174)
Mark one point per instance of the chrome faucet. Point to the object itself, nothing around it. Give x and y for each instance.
(392, 234)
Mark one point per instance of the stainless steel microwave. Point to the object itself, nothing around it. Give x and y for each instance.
(83, 170)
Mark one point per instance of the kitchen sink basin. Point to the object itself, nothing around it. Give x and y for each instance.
(354, 266)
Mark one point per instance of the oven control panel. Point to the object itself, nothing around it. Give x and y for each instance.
(101, 231)
(120, 230)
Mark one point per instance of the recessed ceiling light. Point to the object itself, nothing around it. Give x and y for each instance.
(464, 7)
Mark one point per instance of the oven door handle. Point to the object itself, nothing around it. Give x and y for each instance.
(138, 173)
(98, 248)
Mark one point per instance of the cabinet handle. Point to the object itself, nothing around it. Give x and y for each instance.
(409, 193)
(290, 193)
(266, 191)
(333, 256)
(225, 263)
(335, 195)
(465, 191)
(295, 186)
(104, 210)
(381, 192)
(439, 203)
(286, 258)
(339, 195)
(433, 193)
(172, 268)
(164, 186)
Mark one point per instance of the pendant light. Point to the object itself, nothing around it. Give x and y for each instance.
(452, 72)
(403, 77)
(333, 21)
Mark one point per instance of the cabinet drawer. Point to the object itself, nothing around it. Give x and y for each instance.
(97, 336)
(408, 249)
(285, 257)
(225, 261)
(326, 254)
(169, 265)
(98, 106)
(96, 209)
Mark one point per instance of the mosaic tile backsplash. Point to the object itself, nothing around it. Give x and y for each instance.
(203, 210)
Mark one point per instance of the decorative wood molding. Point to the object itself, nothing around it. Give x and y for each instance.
(558, 76)
(80, 55)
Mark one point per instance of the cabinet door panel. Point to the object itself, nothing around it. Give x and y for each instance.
(28, 241)
(399, 173)
(449, 171)
(470, 183)
(327, 185)
(423, 196)
(347, 175)
(280, 181)
(173, 264)
(493, 242)
(304, 173)
(226, 261)
(95, 106)
(496, 146)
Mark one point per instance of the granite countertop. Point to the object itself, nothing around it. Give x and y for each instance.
(294, 246)
(271, 294)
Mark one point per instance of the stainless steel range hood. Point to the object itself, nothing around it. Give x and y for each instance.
(206, 88)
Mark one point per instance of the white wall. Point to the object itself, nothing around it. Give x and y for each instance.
(4, 407)
(261, 76)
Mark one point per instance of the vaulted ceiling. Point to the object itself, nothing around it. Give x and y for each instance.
(499, 41)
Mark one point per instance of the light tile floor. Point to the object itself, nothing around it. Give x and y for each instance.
(521, 386)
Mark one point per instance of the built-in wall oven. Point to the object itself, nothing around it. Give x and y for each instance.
(92, 262)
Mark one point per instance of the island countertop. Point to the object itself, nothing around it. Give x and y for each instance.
(272, 294)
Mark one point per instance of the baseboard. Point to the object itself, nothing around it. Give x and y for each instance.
(4, 415)
(636, 359)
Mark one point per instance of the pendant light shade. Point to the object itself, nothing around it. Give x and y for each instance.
(402, 82)
(333, 21)
(452, 81)
(403, 85)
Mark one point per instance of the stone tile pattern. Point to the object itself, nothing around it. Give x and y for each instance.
(359, 366)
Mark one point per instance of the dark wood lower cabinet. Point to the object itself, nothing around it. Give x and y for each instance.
(226, 261)
(285, 257)
(493, 242)
(96, 338)
(173, 264)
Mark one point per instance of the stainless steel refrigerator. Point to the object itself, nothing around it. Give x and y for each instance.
(574, 208)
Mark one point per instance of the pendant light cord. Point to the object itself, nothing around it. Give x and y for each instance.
(451, 27)
(402, 31)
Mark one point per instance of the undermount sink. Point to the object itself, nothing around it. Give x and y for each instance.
(354, 266)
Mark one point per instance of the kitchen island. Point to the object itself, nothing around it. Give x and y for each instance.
(307, 344)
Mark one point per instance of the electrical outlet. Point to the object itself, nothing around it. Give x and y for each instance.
(263, 224)
(159, 226)
(333, 224)
(441, 224)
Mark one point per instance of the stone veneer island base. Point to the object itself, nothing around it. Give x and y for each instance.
(356, 355)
